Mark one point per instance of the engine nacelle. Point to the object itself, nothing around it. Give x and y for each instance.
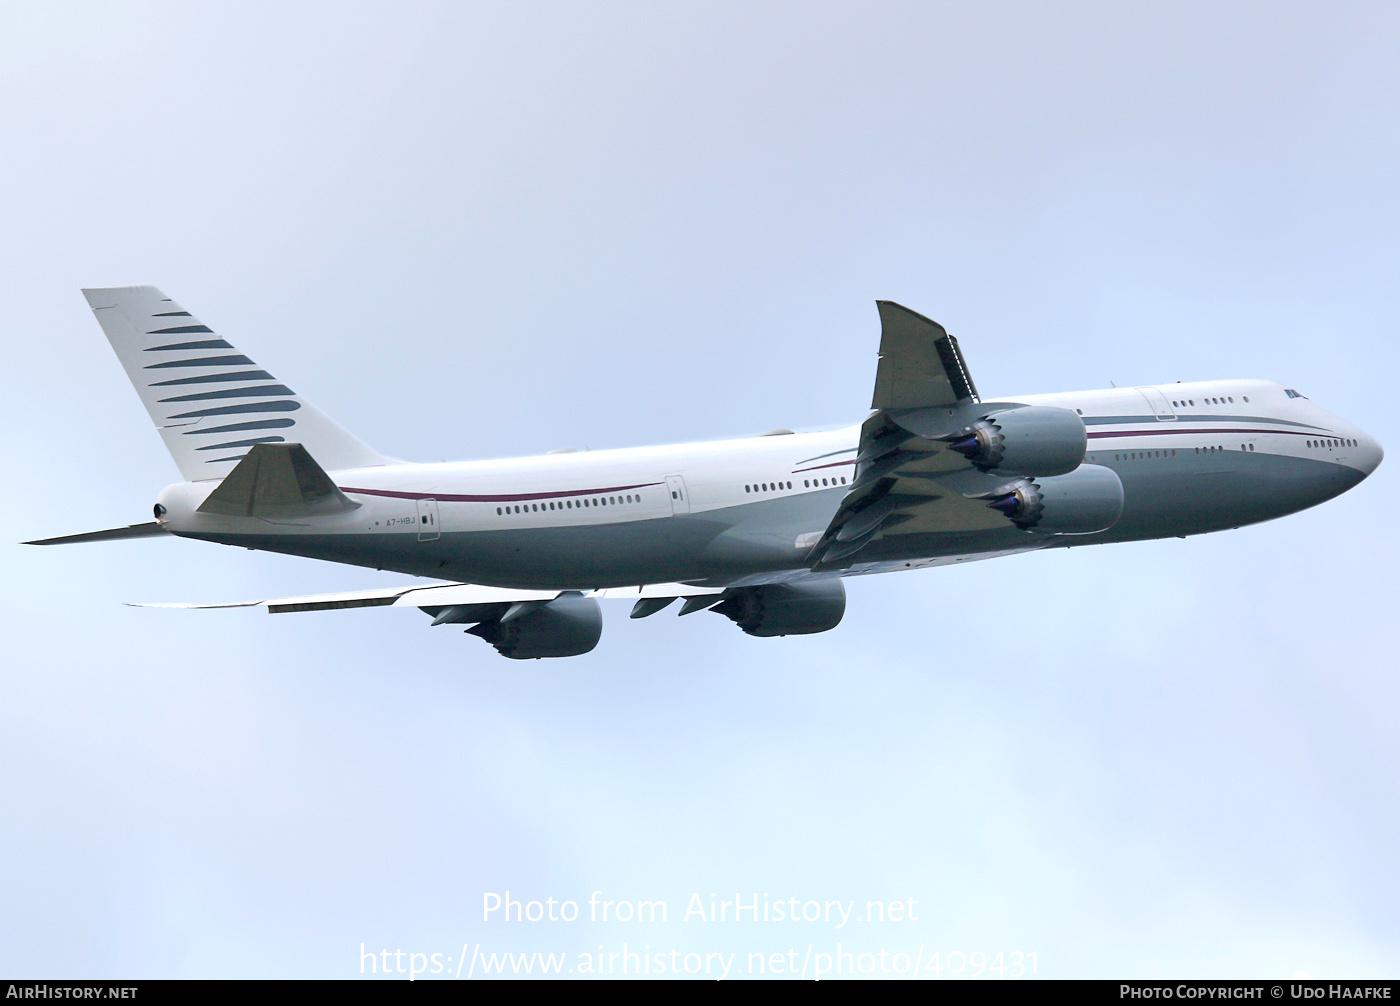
(783, 609)
(1087, 500)
(1031, 440)
(564, 627)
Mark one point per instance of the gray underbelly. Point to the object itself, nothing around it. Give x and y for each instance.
(1197, 494)
(731, 542)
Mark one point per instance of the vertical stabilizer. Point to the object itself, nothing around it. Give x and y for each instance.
(211, 403)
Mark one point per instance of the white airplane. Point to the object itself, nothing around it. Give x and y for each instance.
(762, 530)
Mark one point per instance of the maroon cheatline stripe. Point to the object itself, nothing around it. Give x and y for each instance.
(834, 464)
(501, 498)
(1196, 430)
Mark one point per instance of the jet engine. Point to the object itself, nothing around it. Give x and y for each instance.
(784, 609)
(564, 627)
(1031, 440)
(1088, 499)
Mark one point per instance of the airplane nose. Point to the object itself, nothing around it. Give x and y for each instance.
(1368, 455)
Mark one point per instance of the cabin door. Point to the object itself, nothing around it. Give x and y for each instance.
(680, 499)
(1161, 408)
(428, 529)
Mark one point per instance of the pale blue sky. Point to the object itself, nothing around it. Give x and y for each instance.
(489, 230)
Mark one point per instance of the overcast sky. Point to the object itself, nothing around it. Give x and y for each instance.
(490, 230)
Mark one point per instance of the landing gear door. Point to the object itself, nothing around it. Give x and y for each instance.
(680, 499)
(1161, 408)
(428, 529)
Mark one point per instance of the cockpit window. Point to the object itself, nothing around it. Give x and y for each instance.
(1293, 394)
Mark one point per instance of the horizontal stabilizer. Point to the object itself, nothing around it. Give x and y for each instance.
(277, 480)
(148, 530)
(444, 595)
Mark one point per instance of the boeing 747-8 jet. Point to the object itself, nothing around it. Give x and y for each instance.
(762, 530)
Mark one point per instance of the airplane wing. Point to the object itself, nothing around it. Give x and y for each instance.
(443, 595)
(909, 479)
(920, 363)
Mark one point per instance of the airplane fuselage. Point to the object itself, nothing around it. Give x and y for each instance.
(1192, 458)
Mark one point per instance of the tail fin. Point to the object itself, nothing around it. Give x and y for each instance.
(210, 403)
